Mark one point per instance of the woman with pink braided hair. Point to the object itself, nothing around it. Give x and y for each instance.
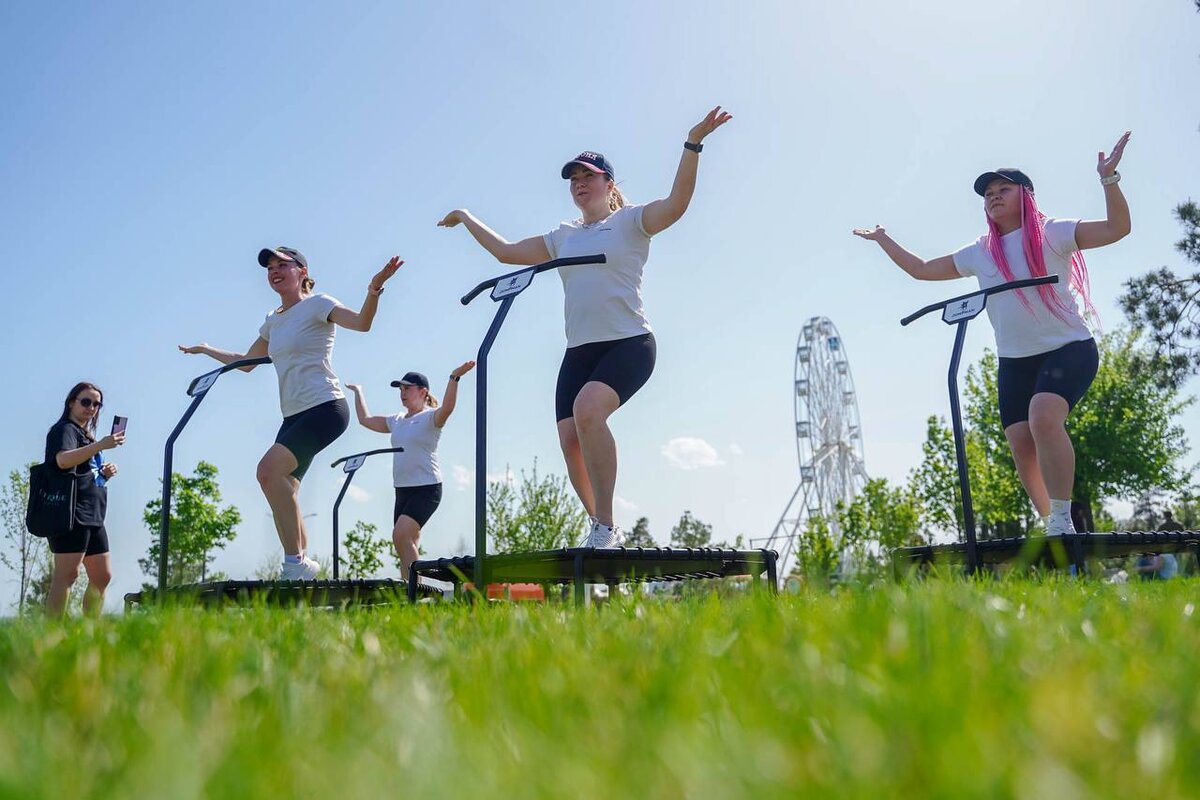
(1047, 355)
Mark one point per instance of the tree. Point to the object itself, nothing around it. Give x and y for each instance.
(198, 527)
(934, 483)
(880, 519)
(690, 532)
(539, 514)
(364, 550)
(1166, 307)
(816, 552)
(23, 553)
(640, 535)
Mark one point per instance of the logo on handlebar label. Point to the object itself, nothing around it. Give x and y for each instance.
(511, 285)
(967, 308)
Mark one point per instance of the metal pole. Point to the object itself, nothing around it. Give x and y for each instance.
(960, 450)
(336, 503)
(481, 444)
(164, 523)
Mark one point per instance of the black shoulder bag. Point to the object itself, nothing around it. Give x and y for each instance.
(51, 508)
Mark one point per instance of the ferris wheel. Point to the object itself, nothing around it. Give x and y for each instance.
(828, 438)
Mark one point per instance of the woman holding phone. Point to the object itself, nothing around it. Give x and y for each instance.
(71, 445)
(299, 336)
(416, 473)
(610, 346)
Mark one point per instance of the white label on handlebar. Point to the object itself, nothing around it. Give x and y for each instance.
(354, 463)
(968, 308)
(512, 285)
(204, 383)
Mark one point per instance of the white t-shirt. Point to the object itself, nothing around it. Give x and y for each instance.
(418, 464)
(300, 343)
(603, 301)
(1019, 332)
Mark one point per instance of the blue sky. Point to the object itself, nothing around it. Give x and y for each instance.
(149, 150)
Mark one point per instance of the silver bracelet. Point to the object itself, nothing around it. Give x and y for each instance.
(1109, 180)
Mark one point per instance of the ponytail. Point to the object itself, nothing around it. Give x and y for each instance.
(430, 400)
(615, 198)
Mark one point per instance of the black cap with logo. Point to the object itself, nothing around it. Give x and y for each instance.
(412, 379)
(1004, 173)
(282, 253)
(596, 162)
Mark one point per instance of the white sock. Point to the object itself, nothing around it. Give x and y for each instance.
(293, 559)
(1060, 511)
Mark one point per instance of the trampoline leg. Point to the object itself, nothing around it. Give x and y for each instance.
(412, 583)
(1077, 556)
(772, 573)
(579, 581)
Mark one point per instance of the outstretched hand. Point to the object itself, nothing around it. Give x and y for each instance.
(381, 277)
(872, 235)
(194, 349)
(463, 370)
(712, 120)
(354, 387)
(455, 217)
(1107, 165)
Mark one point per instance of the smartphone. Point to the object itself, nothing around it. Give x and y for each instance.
(119, 424)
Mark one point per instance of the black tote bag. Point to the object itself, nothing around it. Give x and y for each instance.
(51, 508)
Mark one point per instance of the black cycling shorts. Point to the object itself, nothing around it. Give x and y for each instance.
(312, 430)
(417, 502)
(91, 540)
(1066, 372)
(624, 365)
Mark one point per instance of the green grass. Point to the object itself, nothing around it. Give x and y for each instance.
(941, 689)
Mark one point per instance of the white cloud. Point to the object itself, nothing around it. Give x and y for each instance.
(736, 450)
(687, 452)
(358, 494)
(463, 477)
(622, 504)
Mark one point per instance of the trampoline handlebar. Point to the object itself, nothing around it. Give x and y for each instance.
(368, 453)
(572, 261)
(1003, 287)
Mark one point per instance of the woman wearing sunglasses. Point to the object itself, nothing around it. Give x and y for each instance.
(71, 444)
(298, 336)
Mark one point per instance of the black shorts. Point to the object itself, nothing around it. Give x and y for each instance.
(418, 502)
(1066, 372)
(623, 365)
(312, 430)
(91, 540)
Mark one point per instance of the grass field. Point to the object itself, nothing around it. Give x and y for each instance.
(942, 689)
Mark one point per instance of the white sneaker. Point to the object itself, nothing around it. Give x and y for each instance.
(587, 537)
(306, 570)
(603, 536)
(1059, 527)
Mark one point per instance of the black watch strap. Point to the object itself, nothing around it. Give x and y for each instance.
(455, 378)
(695, 148)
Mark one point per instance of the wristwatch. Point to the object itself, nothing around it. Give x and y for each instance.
(695, 148)
(455, 378)
(1111, 179)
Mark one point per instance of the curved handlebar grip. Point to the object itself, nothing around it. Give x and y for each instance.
(1003, 287)
(572, 261)
(368, 453)
(246, 362)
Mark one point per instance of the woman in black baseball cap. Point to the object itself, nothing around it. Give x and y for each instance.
(416, 473)
(299, 336)
(1047, 356)
(610, 346)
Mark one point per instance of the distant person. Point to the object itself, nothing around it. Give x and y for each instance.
(1047, 355)
(610, 347)
(1156, 567)
(416, 473)
(72, 445)
(298, 336)
(1169, 523)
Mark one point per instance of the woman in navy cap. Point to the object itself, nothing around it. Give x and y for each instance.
(298, 336)
(1047, 355)
(416, 473)
(610, 347)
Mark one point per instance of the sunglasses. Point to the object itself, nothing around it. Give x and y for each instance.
(88, 402)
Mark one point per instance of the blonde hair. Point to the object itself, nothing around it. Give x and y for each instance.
(430, 400)
(615, 198)
(307, 285)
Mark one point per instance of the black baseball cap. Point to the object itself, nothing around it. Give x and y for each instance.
(412, 379)
(596, 162)
(1004, 173)
(285, 253)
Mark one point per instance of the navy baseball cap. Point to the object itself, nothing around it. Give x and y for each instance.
(1004, 173)
(281, 252)
(596, 162)
(412, 379)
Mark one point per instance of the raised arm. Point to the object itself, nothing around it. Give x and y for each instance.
(450, 398)
(1116, 225)
(256, 350)
(361, 320)
(69, 459)
(659, 215)
(938, 269)
(377, 424)
(527, 251)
